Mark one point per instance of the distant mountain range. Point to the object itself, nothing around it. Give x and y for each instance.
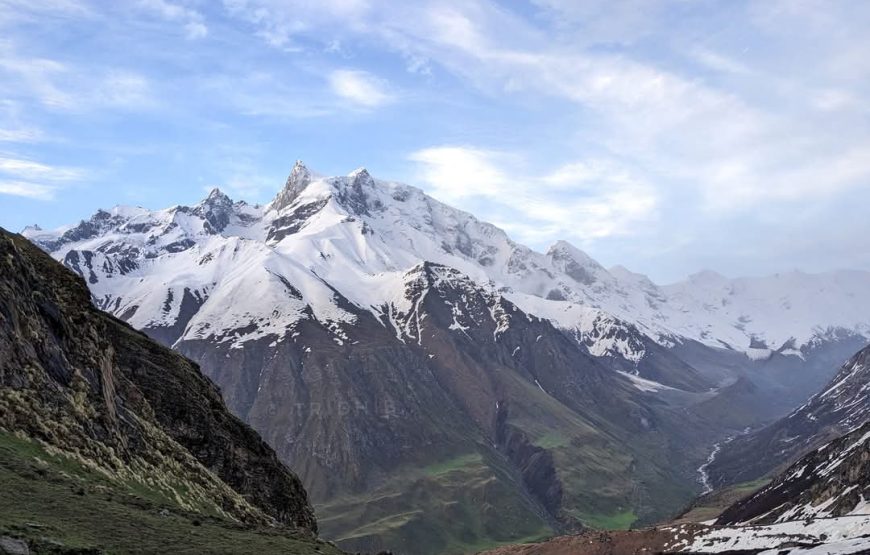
(340, 228)
(418, 368)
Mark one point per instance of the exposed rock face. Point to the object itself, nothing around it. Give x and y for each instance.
(216, 210)
(299, 178)
(841, 406)
(88, 384)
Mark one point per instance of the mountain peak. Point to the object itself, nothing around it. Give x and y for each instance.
(710, 277)
(354, 192)
(216, 209)
(360, 173)
(578, 265)
(299, 178)
(562, 247)
(564, 251)
(360, 177)
(623, 274)
(216, 196)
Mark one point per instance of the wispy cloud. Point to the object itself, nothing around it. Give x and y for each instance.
(36, 180)
(16, 11)
(191, 20)
(36, 77)
(583, 200)
(27, 169)
(596, 118)
(123, 89)
(361, 88)
(27, 190)
(731, 151)
(21, 135)
(63, 87)
(279, 22)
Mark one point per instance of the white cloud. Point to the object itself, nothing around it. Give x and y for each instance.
(718, 62)
(35, 76)
(456, 172)
(124, 89)
(584, 200)
(263, 94)
(279, 21)
(16, 11)
(27, 190)
(65, 87)
(20, 135)
(192, 21)
(706, 141)
(30, 170)
(834, 100)
(26, 178)
(195, 30)
(360, 88)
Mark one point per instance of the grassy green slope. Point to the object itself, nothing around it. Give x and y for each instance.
(605, 485)
(58, 504)
(462, 504)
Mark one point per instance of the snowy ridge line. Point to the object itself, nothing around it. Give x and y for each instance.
(358, 237)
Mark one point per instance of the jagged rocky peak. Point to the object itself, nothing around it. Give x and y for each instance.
(361, 177)
(216, 209)
(216, 197)
(300, 177)
(354, 193)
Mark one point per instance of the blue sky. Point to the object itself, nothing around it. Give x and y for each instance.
(667, 136)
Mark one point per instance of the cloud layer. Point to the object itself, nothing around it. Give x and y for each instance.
(660, 134)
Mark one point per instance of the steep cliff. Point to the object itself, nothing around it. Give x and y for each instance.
(84, 386)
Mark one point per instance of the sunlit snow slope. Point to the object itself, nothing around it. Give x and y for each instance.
(186, 268)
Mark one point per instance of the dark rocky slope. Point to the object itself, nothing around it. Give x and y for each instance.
(843, 404)
(831, 481)
(89, 387)
(461, 421)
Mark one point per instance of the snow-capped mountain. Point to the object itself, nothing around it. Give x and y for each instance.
(358, 236)
(368, 331)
